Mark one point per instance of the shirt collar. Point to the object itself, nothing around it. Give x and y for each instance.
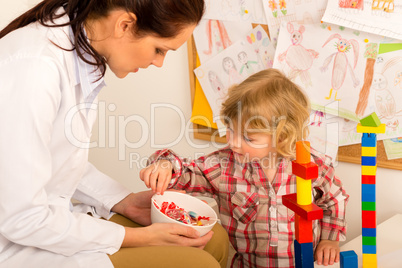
(87, 75)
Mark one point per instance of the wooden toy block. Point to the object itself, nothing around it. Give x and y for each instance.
(367, 249)
(369, 231)
(368, 193)
(370, 260)
(303, 152)
(303, 188)
(369, 206)
(303, 230)
(307, 212)
(369, 161)
(304, 255)
(369, 151)
(363, 129)
(371, 120)
(369, 241)
(369, 219)
(369, 140)
(368, 179)
(305, 171)
(369, 170)
(348, 259)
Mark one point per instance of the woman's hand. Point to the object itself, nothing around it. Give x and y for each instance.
(136, 206)
(165, 234)
(327, 252)
(157, 175)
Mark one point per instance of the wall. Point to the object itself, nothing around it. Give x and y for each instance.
(124, 131)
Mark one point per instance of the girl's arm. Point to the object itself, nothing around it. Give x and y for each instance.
(332, 198)
(168, 170)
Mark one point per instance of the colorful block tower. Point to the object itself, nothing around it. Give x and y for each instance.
(370, 126)
(301, 204)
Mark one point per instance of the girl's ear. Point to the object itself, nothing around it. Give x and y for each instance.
(125, 23)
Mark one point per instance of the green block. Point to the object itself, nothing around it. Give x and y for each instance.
(368, 206)
(369, 241)
(371, 120)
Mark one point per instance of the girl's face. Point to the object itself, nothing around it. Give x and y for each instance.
(250, 147)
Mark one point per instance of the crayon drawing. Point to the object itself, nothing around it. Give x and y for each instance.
(235, 10)
(341, 64)
(297, 57)
(225, 70)
(382, 17)
(300, 11)
(259, 39)
(386, 92)
(329, 64)
(213, 36)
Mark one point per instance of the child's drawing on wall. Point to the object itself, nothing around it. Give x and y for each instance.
(235, 10)
(297, 57)
(246, 65)
(222, 71)
(216, 84)
(384, 100)
(381, 17)
(341, 63)
(264, 48)
(370, 54)
(213, 36)
(355, 4)
(379, 6)
(229, 67)
(217, 36)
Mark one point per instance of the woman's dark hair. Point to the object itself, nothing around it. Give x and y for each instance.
(161, 18)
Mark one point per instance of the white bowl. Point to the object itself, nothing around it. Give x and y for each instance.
(186, 202)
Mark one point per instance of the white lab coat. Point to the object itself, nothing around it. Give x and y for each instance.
(43, 159)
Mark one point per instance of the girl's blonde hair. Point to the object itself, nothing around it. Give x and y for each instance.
(269, 102)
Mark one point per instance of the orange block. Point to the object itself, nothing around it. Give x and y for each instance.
(303, 152)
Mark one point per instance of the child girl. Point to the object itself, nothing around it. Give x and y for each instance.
(265, 115)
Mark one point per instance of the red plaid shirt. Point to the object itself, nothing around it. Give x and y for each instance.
(260, 227)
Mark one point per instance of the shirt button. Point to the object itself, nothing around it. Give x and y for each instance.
(273, 224)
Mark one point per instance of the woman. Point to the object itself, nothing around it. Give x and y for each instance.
(52, 62)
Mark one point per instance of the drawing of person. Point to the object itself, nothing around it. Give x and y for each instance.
(246, 64)
(230, 68)
(216, 84)
(218, 38)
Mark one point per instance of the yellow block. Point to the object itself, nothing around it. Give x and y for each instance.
(369, 260)
(369, 151)
(369, 170)
(303, 188)
(362, 129)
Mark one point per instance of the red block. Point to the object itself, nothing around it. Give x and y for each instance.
(368, 179)
(307, 212)
(303, 230)
(369, 219)
(305, 171)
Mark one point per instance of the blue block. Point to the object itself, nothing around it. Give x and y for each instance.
(369, 140)
(349, 259)
(368, 192)
(369, 249)
(369, 232)
(369, 161)
(304, 255)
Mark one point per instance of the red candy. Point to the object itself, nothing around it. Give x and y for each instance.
(175, 212)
